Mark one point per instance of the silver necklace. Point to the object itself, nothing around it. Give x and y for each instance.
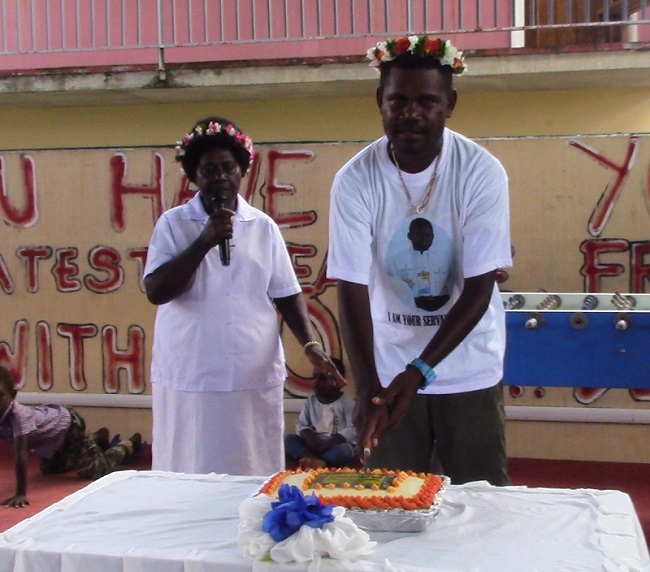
(417, 208)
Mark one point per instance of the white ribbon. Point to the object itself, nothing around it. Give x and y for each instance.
(340, 539)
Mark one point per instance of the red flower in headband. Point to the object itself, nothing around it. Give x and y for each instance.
(432, 46)
(420, 46)
(402, 45)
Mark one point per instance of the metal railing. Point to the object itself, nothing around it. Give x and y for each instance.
(71, 33)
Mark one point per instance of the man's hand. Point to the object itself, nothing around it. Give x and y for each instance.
(17, 501)
(398, 396)
(369, 418)
(387, 409)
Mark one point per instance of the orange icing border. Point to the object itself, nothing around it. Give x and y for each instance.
(421, 500)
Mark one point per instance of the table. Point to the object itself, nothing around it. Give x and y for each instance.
(152, 521)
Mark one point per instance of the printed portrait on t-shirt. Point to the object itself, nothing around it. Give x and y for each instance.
(419, 259)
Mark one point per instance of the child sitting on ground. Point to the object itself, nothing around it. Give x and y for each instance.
(57, 435)
(325, 435)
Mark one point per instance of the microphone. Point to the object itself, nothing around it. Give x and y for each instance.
(218, 202)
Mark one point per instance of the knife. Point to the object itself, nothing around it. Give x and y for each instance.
(366, 454)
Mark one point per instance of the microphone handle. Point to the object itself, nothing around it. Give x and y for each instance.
(218, 202)
(224, 252)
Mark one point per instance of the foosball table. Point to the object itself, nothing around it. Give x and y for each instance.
(577, 340)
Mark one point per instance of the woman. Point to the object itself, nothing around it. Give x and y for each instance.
(218, 365)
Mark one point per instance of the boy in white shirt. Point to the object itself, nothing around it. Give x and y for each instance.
(325, 434)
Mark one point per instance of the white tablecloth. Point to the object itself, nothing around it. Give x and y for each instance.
(152, 521)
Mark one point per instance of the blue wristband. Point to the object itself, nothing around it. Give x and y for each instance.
(426, 370)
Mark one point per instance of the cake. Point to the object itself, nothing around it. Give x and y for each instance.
(371, 489)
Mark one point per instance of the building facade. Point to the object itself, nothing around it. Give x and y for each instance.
(93, 96)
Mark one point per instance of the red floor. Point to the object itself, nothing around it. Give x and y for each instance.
(42, 491)
(632, 478)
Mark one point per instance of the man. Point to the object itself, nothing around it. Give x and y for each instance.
(425, 378)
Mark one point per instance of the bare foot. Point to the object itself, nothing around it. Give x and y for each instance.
(311, 463)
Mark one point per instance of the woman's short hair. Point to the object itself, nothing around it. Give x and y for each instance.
(208, 133)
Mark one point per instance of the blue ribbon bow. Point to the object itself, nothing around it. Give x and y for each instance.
(292, 510)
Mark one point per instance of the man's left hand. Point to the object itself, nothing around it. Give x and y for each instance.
(397, 399)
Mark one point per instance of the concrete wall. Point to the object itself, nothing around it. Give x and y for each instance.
(555, 187)
(478, 114)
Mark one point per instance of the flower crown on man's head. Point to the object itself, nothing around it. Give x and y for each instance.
(420, 46)
(211, 129)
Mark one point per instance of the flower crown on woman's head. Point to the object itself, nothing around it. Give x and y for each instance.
(211, 129)
(420, 46)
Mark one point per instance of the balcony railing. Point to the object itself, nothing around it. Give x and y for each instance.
(45, 34)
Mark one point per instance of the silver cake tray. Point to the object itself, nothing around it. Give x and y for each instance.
(398, 520)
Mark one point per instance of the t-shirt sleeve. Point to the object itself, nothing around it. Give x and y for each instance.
(486, 229)
(161, 247)
(350, 237)
(283, 281)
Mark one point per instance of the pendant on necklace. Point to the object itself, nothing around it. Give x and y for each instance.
(419, 208)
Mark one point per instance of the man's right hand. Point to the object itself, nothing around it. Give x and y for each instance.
(398, 396)
(17, 501)
(370, 421)
(386, 410)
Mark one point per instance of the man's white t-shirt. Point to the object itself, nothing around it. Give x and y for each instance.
(411, 291)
